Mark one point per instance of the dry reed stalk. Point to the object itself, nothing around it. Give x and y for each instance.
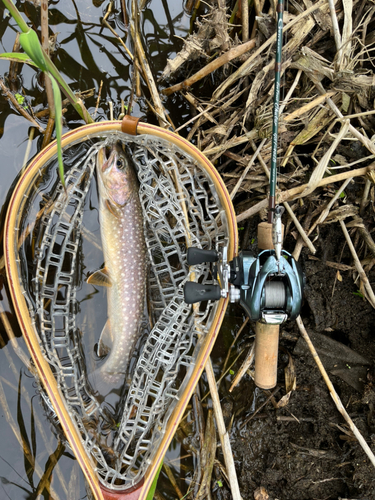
(212, 66)
(14, 66)
(365, 141)
(208, 451)
(243, 368)
(245, 21)
(363, 231)
(28, 148)
(333, 393)
(364, 199)
(308, 107)
(46, 479)
(357, 115)
(215, 108)
(335, 25)
(369, 291)
(250, 164)
(294, 193)
(315, 124)
(344, 58)
(47, 81)
(149, 78)
(194, 102)
(230, 348)
(223, 434)
(334, 265)
(246, 66)
(320, 169)
(98, 98)
(172, 479)
(298, 248)
(324, 214)
(299, 228)
(231, 143)
(114, 33)
(8, 95)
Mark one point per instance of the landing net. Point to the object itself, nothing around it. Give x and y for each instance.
(181, 209)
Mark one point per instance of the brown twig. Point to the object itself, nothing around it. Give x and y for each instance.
(8, 95)
(358, 265)
(244, 367)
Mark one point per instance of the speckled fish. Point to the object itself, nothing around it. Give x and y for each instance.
(124, 274)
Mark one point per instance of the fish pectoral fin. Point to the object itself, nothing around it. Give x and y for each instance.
(100, 278)
(106, 340)
(112, 208)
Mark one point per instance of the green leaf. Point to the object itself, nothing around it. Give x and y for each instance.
(219, 483)
(31, 45)
(151, 491)
(17, 57)
(20, 98)
(358, 293)
(231, 372)
(58, 125)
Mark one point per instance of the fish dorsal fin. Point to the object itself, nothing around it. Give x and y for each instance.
(106, 340)
(100, 278)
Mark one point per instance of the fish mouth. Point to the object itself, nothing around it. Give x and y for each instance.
(108, 157)
(102, 159)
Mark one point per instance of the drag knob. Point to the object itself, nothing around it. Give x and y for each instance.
(197, 292)
(198, 256)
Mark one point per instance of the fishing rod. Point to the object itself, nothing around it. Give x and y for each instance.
(268, 286)
(276, 110)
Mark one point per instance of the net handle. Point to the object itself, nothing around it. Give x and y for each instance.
(16, 206)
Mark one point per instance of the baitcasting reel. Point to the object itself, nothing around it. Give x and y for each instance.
(269, 287)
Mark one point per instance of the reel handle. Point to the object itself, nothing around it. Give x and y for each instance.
(196, 256)
(197, 292)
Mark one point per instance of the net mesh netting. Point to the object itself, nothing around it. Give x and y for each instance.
(180, 209)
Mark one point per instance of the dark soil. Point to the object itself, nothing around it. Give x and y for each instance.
(305, 450)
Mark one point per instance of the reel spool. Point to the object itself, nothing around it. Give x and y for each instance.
(269, 289)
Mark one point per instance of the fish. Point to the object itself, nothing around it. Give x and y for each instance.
(125, 265)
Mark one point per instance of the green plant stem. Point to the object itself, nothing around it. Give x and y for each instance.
(76, 103)
(51, 68)
(15, 13)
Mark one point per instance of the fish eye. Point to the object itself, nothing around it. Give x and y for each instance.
(120, 163)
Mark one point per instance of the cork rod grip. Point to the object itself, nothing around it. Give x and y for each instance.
(266, 353)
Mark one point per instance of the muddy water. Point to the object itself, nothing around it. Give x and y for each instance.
(86, 54)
